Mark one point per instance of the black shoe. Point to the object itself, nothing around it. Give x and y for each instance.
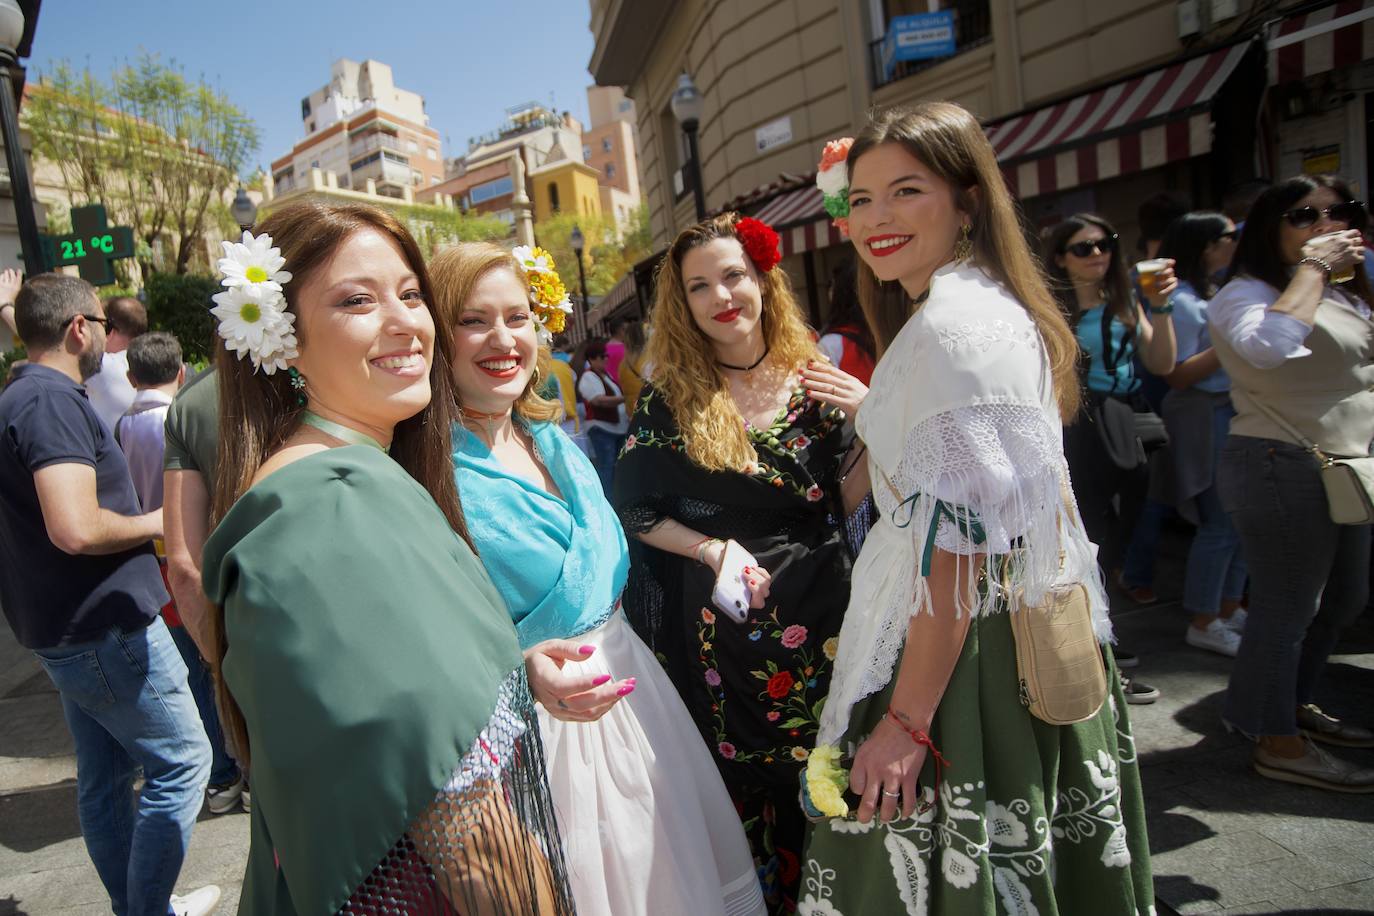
(1125, 659)
(1138, 693)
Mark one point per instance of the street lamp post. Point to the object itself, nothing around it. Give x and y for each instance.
(245, 212)
(11, 34)
(578, 244)
(687, 104)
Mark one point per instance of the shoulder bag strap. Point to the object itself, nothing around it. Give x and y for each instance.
(1288, 428)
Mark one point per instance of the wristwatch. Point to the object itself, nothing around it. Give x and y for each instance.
(1166, 309)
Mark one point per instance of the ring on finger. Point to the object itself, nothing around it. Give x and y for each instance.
(888, 794)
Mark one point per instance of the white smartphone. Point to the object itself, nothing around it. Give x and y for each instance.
(731, 593)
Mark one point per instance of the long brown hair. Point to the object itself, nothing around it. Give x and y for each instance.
(685, 368)
(454, 272)
(949, 141)
(258, 412)
(1116, 285)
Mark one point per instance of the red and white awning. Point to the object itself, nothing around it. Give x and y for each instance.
(1140, 123)
(800, 219)
(1333, 37)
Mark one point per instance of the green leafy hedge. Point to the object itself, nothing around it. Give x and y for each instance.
(180, 304)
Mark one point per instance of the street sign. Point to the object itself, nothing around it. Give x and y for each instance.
(92, 244)
(921, 36)
(774, 133)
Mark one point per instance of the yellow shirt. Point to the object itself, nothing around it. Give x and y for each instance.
(567, 389)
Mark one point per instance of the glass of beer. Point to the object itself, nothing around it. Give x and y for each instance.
(1148, 274)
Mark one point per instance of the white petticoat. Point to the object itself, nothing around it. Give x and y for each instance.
(647, 825)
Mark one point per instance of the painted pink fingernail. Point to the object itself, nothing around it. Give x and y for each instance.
(587, 650)
(601, 679)
(626, 690)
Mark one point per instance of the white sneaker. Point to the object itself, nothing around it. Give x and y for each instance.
(197, 903)
(223, 799)
(247, 800)
(1217, 637)
(1237, 619)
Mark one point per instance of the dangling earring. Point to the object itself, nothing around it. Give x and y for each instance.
(297, 385)
(963, 249)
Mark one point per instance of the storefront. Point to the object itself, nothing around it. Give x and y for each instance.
(1320, 110)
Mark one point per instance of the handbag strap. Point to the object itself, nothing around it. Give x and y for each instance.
(1291, 430)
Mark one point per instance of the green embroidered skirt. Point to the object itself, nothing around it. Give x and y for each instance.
(1030, 818)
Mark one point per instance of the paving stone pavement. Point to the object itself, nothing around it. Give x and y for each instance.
(1223, 839)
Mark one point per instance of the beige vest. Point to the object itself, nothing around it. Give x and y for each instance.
(1328, 396)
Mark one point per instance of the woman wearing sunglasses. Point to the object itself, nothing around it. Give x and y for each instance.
(1299, 348)
(1088, 275)
(1197, 413)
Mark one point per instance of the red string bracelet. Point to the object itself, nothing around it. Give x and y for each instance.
(920, 736)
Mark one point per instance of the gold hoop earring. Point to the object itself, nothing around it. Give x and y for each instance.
(963, 249)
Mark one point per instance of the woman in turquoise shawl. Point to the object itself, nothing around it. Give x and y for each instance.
(396, 762)
(647, 825)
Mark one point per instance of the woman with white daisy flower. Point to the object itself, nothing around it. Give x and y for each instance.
(338, 553)
(647, 825)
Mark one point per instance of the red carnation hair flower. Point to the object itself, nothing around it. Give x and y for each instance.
(760, 243)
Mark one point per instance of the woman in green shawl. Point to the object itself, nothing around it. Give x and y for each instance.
(394, 749)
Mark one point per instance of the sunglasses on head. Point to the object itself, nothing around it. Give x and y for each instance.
(1350, 212)
(1090, 247)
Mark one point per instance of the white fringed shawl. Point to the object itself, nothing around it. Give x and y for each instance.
(961, 418)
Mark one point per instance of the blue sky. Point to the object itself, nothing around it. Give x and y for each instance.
(461, 55)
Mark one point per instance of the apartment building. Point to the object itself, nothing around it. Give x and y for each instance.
(611, 147)
(371, 136)
(1090, 104)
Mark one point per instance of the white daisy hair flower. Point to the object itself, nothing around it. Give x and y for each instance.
(533, 259)
(253, 261)
(253, 319)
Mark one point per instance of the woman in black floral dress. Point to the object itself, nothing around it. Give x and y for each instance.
(742, 435)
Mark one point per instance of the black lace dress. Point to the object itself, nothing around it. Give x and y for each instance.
(755, 689)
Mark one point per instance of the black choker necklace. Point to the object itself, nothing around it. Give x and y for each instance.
(750, 368)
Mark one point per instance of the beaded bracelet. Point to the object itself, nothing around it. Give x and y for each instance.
(699, 548)
(1325, 267)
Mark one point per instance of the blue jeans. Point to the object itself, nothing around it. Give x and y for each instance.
(128, 705)
(605, 450)
(223, 769)
(1138, 569)
(1309, 580)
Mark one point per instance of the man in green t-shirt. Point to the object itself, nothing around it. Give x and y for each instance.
(188, 480)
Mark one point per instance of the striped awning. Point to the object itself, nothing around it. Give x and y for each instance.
(1140, 123)
(809, 236)
(792, 207)
(1330, 38)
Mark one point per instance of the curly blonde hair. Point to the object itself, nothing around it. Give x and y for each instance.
(686, 373)
(453, 273)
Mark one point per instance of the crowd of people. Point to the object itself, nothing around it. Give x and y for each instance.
(726, 615)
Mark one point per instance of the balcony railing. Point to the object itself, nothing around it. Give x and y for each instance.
(372, 142)
(972, 28)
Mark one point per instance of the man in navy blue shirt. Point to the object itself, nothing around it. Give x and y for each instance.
(81, 588)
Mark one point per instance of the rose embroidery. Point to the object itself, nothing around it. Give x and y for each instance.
(779, 684)
(727, 750)
(713, 677)
(793, 636)
(814, 494)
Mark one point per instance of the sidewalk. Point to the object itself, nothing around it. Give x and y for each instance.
(1223, 839)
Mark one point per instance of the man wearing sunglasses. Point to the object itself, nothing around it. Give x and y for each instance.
(82, 591)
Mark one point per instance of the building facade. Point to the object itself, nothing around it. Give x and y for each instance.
(611, 147)
(1089, 105)
(370, 135)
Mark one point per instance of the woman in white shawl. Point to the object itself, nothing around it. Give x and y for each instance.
(962, 424)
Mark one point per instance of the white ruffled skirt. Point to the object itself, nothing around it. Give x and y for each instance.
(647, 825)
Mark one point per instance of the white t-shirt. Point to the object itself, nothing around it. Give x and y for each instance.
(142, 439)
(109, 389)
(590, 385)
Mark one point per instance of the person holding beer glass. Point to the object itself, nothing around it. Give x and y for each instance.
(1293, 329)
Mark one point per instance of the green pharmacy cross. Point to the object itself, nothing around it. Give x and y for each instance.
(91, 246)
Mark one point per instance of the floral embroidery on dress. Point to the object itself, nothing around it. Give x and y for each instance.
(981, 335)
(788, 693)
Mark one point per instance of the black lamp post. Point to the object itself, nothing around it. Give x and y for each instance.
(578, 243)
(245, 212)
(11, 34)
(687, 104)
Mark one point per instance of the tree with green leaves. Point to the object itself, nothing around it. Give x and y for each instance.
(159, 150)
(434, 227)
(607, 254)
